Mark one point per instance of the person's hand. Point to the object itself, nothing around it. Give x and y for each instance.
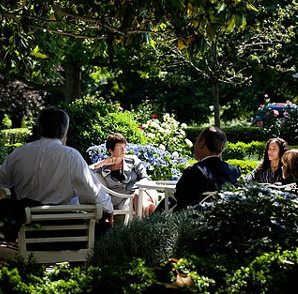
(108, 217)
(108, 161)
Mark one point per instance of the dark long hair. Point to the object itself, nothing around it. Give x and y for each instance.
(283, 147)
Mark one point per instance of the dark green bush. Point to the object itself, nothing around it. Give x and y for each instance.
(244, 134)
(153, 239)
(275, 127)
(274, 273)
(234, 134)
(242, 223)
(92, 120)
(232, 243)
(247, 222)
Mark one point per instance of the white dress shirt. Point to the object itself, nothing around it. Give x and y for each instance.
(49, 172)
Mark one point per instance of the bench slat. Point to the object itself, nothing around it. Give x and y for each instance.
(57, 228)
(63, 255)
(64, 216)
(56, 239)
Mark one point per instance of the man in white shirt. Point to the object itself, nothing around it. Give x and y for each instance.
(48, 172)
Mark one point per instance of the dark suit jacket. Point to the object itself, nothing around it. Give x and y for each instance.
(206, 175)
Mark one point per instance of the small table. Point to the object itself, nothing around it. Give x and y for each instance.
(166, 186)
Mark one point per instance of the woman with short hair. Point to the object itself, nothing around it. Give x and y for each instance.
(119, 172)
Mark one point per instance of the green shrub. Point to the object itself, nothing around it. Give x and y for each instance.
(243, 151)
(124, 123)
(274, 272)
(246, 166)
(241, 223)
(243, 240)
(153, 239)
(18, 275)
(93, 119)
(235, 151)
(6, 121)
(13, 136)
(234, 134)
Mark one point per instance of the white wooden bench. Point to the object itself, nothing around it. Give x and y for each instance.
(57, 233)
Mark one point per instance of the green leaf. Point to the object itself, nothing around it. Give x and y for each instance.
(11, 40)
(231, 23)
(243, 25)
(35, 52)
(221, 7)
(152, 44)
(251, 7)
(210, 32)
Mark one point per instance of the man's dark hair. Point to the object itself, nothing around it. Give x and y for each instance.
(215, 139)
(52, 123)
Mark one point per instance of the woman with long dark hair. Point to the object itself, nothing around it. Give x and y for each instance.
(269, 170)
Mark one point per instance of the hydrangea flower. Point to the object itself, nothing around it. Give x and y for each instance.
(169, 132)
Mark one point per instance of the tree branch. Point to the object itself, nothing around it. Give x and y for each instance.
(60, 32)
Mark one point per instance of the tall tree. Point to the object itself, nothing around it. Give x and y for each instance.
(35, 34)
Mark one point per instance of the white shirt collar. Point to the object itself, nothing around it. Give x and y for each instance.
(210, 157)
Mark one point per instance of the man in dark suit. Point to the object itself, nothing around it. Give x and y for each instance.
(210, 173)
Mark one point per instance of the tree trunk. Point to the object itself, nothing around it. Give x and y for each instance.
(215, 77)
(72, 85)
(216, 104)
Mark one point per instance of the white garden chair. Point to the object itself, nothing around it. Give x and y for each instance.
(54, 233)
(127, 211)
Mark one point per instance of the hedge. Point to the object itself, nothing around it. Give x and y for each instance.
(245, 165)
(234, 134)
(13, 136)
(240, 150)
(248, 133)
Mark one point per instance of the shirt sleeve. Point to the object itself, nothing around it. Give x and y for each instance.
(140, 169)
(5, 174)
(86, 186)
